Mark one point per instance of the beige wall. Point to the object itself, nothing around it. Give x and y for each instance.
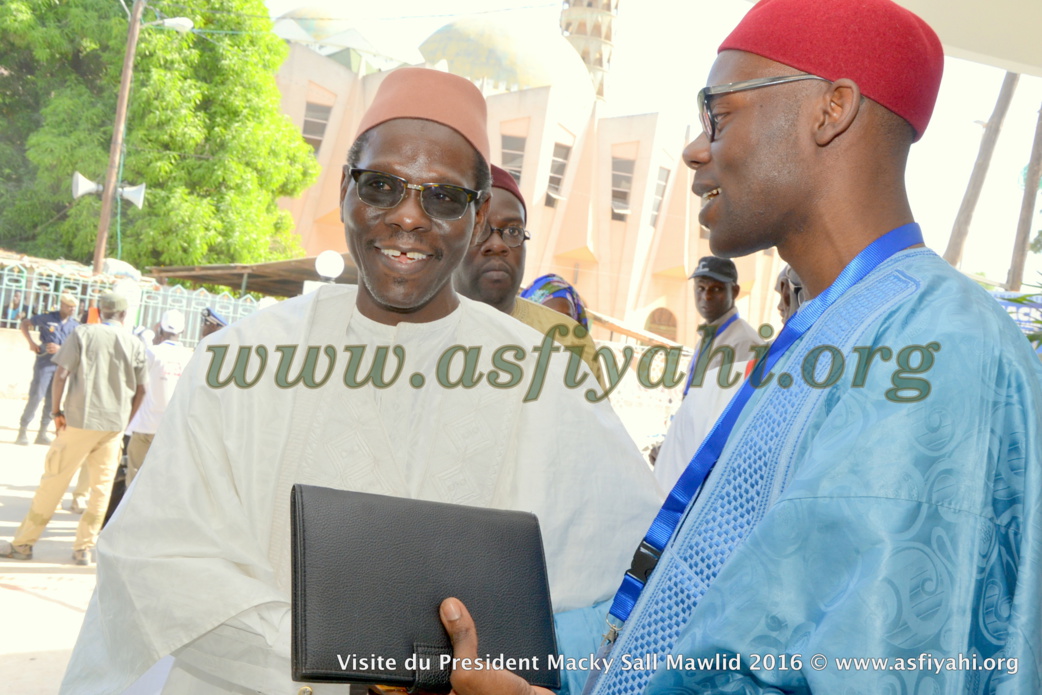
(17, 371)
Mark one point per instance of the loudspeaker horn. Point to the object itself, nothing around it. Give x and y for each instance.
(82, 186)
(135, 195)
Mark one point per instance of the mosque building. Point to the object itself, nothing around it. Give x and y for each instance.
(609, 202)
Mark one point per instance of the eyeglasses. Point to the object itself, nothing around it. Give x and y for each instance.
(442, 201)
(706, 116)
(513, 236)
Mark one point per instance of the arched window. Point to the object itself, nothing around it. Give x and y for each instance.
(662, 322)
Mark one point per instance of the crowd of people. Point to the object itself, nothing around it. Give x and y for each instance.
(793, 520)
(101, 376)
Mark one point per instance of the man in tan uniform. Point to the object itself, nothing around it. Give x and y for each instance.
(105, 369)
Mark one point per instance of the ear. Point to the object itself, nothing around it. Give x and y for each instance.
(839, 107)
(736, 291)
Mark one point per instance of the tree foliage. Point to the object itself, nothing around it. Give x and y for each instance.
(205, 132)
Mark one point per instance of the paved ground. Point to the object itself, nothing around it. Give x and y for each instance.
(42, 601)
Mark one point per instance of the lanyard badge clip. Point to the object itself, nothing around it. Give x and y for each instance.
(644, 561)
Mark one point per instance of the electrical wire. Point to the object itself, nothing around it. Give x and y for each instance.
(374, 19)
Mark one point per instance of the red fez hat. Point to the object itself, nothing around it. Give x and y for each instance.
(894, 56)
(501, 178)
(433, 96)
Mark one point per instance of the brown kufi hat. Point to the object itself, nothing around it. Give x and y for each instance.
(431, 95)
(501, 178)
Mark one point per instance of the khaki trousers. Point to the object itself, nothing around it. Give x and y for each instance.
(98, 452)
(82, 490)
(136, 451)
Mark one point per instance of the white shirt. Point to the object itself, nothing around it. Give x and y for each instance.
(740, 336)
(693, 420)
(196, 562)
(166, 362)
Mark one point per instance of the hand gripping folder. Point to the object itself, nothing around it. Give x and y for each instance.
(370, 571)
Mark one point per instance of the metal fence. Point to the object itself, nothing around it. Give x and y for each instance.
(28, 289)
(1026, 311)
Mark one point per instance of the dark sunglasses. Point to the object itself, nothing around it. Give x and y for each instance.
(441, 201)
(705, 113)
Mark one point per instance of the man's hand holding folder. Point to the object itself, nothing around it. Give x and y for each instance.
(464, 636)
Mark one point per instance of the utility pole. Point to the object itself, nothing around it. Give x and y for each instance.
(1027, 211)
(109, 190)
(961, 228)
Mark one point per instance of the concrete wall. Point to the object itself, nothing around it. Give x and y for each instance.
(16, 365)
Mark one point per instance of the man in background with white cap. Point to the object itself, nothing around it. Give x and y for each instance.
(167, 359)
(213, 502)
(104, 367)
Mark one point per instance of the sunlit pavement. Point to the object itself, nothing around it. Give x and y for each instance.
(43, 600)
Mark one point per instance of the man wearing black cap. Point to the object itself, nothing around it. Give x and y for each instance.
(715, 371)
(727, 338)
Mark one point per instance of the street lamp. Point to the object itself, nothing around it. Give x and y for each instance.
(108, 190)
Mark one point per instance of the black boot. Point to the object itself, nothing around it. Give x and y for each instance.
(23, 437)
(42, 438)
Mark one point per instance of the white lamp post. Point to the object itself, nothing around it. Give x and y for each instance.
(108, 190)
(329, 265)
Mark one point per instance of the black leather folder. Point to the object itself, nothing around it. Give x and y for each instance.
(370, 571)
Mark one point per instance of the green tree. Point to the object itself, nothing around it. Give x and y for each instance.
(205, 132)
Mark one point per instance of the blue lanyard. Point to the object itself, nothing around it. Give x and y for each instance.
(698, 351)
(668, 518)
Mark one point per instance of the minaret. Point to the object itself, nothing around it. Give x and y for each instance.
(587, 24)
